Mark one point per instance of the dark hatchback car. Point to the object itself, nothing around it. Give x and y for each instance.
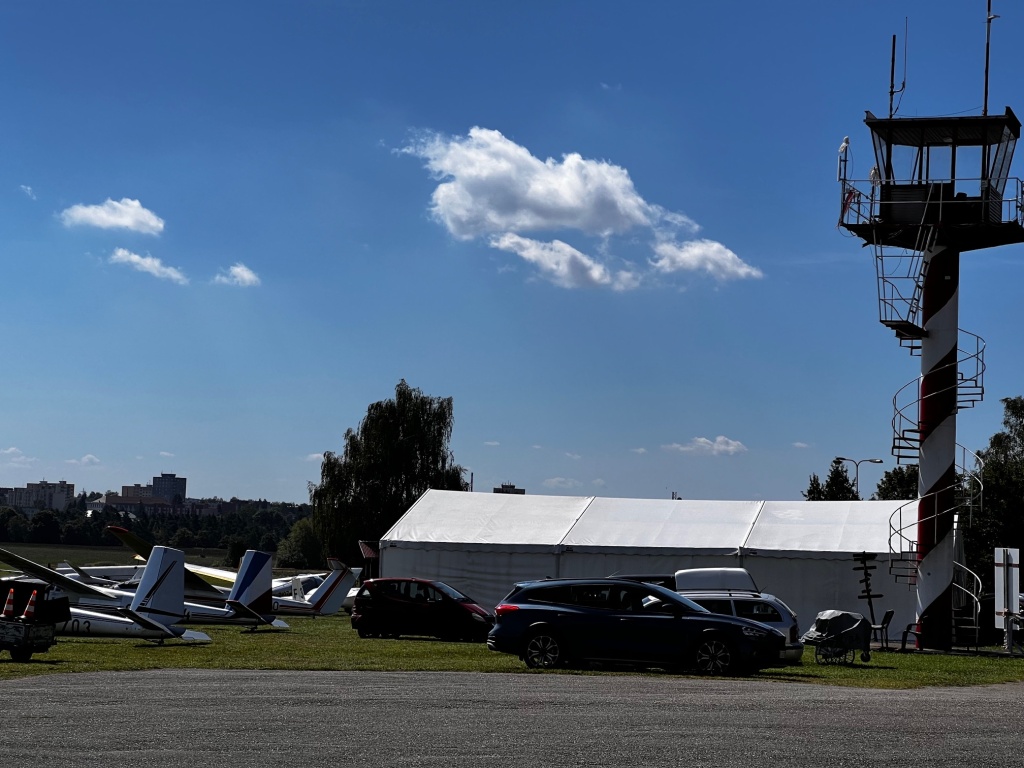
(555, 622)
(393, 607)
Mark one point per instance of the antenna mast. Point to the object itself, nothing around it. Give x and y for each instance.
(988, 39)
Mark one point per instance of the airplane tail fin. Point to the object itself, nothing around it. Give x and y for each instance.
(161, 591)
(328, 597)
(136, 544)
(254, 583)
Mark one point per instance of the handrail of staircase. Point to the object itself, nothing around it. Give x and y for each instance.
(905, 415)
(969, 484)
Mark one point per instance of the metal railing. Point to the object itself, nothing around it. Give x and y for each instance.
(863, 201)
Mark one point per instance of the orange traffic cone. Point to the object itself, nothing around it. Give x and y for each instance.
(9, 606)
(30, 607)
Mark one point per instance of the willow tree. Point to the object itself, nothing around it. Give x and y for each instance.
(399, 451)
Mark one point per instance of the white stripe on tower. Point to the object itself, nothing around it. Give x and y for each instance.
(937, 425)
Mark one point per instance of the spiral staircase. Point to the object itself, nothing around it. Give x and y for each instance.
(900, 276)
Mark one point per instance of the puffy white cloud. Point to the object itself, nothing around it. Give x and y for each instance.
(494, 185)
(239, 275)
(573, 455)
(167, 454)
(639, 450)
(86, 461)
(702, 255)
(491, 187)
(561, 482)
(491, 443)
(800, 445)
(124, 214)
(719, 446)
(314, 457)
(15, 458)
(148, 264)
(563, 264)
(28, 192)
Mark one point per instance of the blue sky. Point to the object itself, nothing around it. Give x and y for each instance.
(607, 230)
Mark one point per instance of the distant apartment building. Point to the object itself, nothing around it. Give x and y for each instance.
(41, 495)
(137, 491)
(167, 486)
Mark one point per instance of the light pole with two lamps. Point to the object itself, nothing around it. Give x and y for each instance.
(856, 470)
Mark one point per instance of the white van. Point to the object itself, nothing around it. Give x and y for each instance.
(732, 592)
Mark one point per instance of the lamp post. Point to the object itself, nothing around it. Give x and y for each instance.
(856, 470)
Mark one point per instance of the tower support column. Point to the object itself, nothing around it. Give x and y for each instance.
(937, 431)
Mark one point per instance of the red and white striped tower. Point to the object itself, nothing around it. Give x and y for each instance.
(937, 432)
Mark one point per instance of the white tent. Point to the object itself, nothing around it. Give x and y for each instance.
(801, 551)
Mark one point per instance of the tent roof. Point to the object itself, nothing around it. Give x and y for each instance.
(488, 518)
(664, 523)
(823, 526)
(456, 517)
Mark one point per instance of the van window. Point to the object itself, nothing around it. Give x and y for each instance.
(715, 606)
(758, 610)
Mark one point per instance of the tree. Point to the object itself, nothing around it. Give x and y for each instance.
(999, 523)
(399, 451)
(301, 548)
(899, 483)
(837, 487)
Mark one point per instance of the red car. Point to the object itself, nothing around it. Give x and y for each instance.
(394, 607)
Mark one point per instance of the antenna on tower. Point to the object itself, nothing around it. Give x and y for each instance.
(988, 38)
(892, 68)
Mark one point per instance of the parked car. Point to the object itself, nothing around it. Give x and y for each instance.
(553, 622)
(391, 607)
(732, 592)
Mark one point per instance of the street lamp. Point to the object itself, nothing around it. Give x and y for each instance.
(856, 470)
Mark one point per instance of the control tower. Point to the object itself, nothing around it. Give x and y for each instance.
(940, 188)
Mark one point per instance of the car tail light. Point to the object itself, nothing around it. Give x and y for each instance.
(504, 608)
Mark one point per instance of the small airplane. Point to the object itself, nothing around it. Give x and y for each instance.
(151, 612)
(289, 595)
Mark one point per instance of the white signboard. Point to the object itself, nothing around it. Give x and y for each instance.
(1007, 584)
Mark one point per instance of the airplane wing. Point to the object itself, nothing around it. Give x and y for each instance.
(66, 583)
(194, 581)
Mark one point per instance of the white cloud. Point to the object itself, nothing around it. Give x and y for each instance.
(564, 265)
(86, 461)
(721, 445)
(702, 255)
(573, 455)
(314, 457)
(239, 275)
(126, 214)
(491, 442)
(494, 185)
(167, 454)
(639, 450)
(561, 482)
(537, 447)
(491, 187)
(801, 445)
(28, 191)
(15, 458)
(148, 264)
(598, 482)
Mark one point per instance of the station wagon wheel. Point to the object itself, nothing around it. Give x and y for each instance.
(543, 651)
(714, 657)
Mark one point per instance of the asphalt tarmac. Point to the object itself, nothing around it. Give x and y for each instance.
(308, 719)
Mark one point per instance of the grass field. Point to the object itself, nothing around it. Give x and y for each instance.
(328, 643)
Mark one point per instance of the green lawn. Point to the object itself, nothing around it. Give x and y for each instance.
(328, 643)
